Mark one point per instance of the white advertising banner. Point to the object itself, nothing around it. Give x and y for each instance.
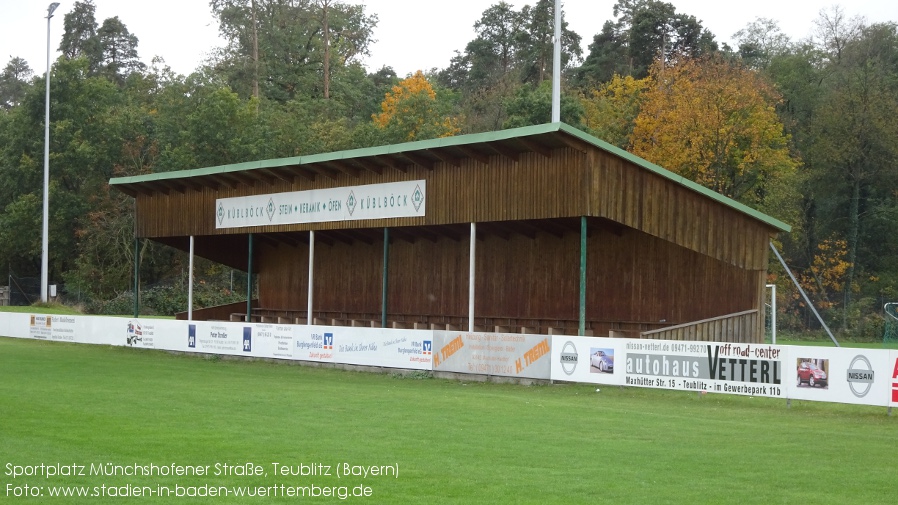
(351, 203)
(843, 375)
(745, 369)
(505, 354)
(314, 343)
(145, 333)
(713, 367)
(587, 359)
(273, 340)
(59, 328)
(365, 346)
(217, 337)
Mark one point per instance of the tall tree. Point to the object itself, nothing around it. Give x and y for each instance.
(14, 81)
(854, 158)
(119, 50)
(533, 105)
(289, 38)
(79, 38)
(760, 41)
(608, 56)
(512, 49)
(644, 31)
(536, 43)
(713, 121)
(413, 111)
(610, 110)
(488, 71)
(86, 139)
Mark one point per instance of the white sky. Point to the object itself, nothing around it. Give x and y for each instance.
(411, 35)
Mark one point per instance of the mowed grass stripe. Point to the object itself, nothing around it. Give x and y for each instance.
(455, 442)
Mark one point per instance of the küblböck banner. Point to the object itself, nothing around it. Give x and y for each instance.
(350, 203)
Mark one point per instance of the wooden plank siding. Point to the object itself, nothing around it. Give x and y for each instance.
(634, 279)
(640, 199)
(737, 327)
(533, 187)
(569, 184)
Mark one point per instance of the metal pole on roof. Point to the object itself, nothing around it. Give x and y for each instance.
(556, 67)
(471, 269)
(804, 295)
(190, 283)
(309, 319)
(386, 278)
(582, 328)
(249, 281)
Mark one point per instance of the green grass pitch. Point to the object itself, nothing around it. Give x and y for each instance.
(452, 442)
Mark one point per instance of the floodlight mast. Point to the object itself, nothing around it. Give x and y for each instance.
(45, 232)
(556, 66)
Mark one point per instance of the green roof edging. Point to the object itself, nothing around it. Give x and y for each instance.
(455, 141)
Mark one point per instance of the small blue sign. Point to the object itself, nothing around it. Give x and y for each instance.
(191, 336)
(329, 341)
(427, 347)
(247, 339)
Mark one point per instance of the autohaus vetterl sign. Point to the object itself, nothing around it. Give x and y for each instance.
(351, 203)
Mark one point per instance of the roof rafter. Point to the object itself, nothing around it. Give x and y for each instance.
(472, 153)
(504, 150)
(344, 167)
(419, 160)
(392, 163)
(536, 147)
(442, 155)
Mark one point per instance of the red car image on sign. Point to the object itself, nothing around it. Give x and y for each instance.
(811, 373)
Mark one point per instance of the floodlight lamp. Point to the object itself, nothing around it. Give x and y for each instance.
(52, 8)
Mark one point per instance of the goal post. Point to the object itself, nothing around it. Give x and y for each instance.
(890, 327)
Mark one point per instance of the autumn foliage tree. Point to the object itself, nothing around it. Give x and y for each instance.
(827, 277)
(610, 110)
(411, 111)
(713, 121)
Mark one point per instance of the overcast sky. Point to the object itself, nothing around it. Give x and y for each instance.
(410, 35)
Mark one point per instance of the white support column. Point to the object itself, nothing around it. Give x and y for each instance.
(773, 311)
(190, 283)
(471, 269)
(309, 318)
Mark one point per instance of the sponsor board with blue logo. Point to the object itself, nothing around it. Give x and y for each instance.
(247, 339)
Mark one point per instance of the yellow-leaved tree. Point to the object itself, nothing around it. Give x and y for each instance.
(610, 110)
(411, 110)
(713, 121)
